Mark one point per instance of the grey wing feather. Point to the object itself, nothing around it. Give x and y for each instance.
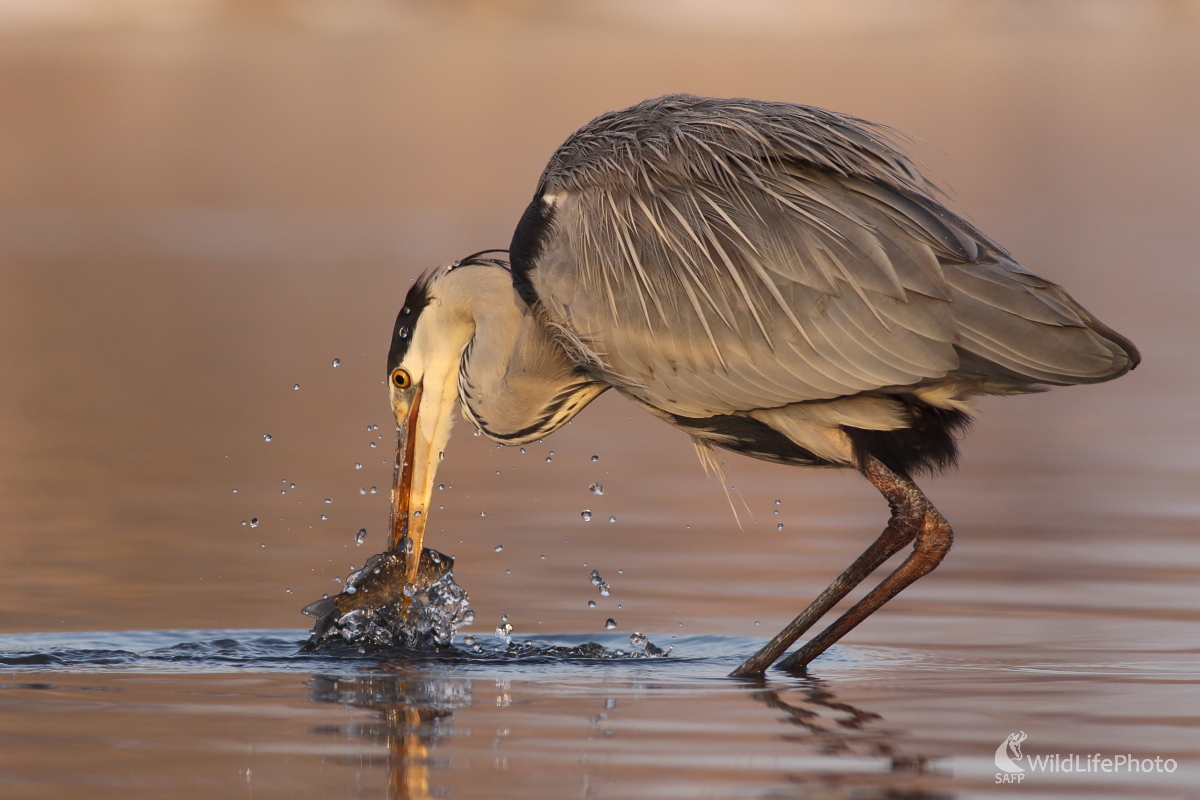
(721, 256)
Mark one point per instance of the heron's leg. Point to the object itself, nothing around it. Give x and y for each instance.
(908, 506)
(933, 541)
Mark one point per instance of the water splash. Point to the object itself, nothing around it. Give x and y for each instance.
(642, 644)
(379, 610)
(600, 584)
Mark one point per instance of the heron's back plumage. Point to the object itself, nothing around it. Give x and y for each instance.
(732, 257)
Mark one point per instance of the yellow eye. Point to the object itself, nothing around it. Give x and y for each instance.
(400, 378)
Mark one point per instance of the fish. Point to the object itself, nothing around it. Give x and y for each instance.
(378, 607)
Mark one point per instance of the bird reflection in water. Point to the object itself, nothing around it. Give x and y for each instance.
(414, 714)
(830, 727)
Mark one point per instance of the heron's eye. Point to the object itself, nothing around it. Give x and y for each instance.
(400, 378)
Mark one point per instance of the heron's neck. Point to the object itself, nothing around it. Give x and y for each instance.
(516, 382)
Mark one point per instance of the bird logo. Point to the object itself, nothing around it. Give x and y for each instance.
(1006, 763)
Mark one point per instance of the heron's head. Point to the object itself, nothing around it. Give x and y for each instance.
(433, 328)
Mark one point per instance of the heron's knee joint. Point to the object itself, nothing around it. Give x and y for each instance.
(933, 542)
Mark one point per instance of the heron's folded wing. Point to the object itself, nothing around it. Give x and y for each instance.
(719, 256)
(706, 298)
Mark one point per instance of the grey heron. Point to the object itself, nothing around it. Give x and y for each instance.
(773, 279)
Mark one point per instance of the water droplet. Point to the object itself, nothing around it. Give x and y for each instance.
(289, 591)
(374, 489)
(587, 515)
(406, 545)
(596, 579)
(756, 622)
(362, 490)
(254, 522)
(358, 465)
(610, 624)
(477, 432)
(596, 488)
(595, 459)
(403, 332)
(291, 486)
(548, 459)
(235, 491)
(775, 512)
(543, 558)
(483, 513)
(267, 437)
(373, 444)
(778, 502)
(244, 522)
(779, 527)
(360, 536)
(591, 603)
(324, 517)
(504, 617)
(337, 362)
(504, 631)
(295, 388)
(263, 545)
(612, 519)
(283, 491)
(604, 590)
(522, 451)
(499, 548)
(328, 499)
(469, 618)
(469, 640)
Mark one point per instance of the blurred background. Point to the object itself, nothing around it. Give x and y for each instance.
(210, 212)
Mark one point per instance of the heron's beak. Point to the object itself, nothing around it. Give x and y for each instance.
(424, 416)
(402, 475)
